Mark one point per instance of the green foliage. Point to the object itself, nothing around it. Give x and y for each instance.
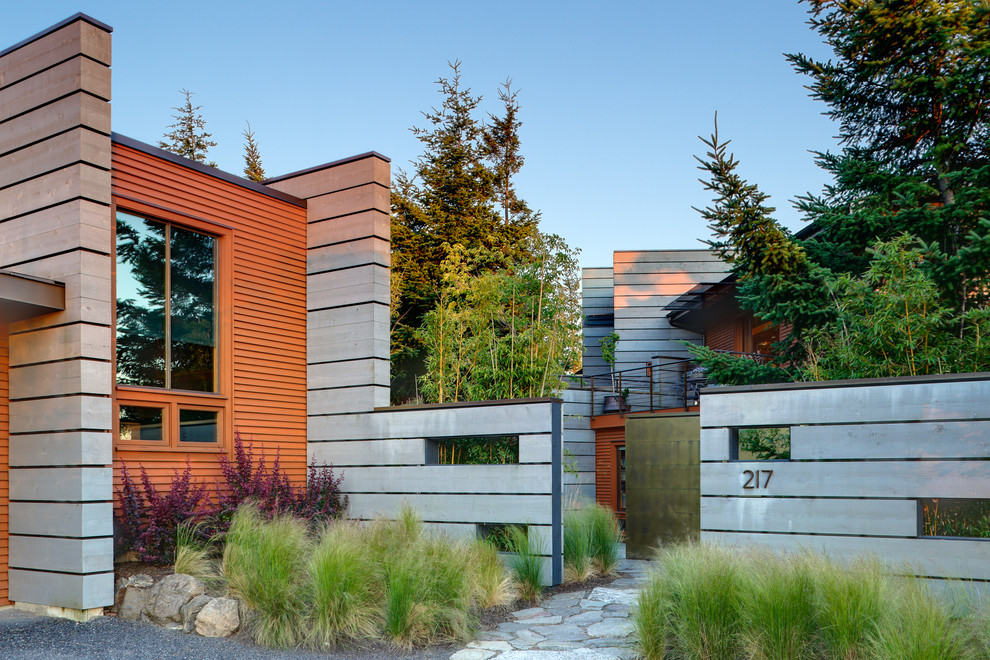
(766, 444)
(452, 198)
(908, 87)
(506, 333)
(252, 157)
(892, 321)
(265, 566)
(501, 450)
(956, 517)
(727, 369)
(187, 137)
(711, 602)
(387, 579)
(591, 541)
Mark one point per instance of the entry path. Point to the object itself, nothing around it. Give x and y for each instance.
(583, 625)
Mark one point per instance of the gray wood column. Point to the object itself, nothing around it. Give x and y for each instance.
(347, 284)
(55, 222)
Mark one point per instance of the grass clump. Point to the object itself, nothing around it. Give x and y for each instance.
(264, 562)
(343, 588)
(707, 602)
(526, 563)
(387, 579)
(591, 542)
(194, 554)
(492, 585)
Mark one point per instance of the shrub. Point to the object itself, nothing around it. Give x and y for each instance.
(149, 519)
(264, 562)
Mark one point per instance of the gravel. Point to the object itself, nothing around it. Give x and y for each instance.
(30, 637)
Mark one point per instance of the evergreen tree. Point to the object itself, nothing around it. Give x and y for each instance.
(908, 87)
(187, 137)
(501, 147)
(252, 157)
(449, 200)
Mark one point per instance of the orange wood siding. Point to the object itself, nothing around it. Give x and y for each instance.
(4, 453)
(606, 465)
(266, 376)
(720, 336)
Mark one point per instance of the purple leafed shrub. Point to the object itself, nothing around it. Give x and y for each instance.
(148, 518)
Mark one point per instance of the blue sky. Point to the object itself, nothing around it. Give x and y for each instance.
(613, 95)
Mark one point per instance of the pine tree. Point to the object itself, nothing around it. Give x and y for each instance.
(187, 137)
(449, 200)
(252, 157)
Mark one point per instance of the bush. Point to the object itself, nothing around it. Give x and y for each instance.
(149, 519)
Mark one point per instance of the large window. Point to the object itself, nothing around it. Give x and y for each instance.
(167, 334)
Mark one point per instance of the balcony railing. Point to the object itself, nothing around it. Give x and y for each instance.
(666, 383)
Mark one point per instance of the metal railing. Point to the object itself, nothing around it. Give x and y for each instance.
(665, 383)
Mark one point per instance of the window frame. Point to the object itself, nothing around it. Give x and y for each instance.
(174, 399)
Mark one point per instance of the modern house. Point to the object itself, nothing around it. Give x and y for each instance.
(634, 298)
(151, 305)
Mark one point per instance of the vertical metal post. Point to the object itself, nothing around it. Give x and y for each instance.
(649, 374)
(592, 397)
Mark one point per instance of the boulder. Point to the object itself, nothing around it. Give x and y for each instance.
(132, 596)
(191, 610)
(218, 618)
(168, 596)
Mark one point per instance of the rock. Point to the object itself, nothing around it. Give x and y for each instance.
(218, 618)
(191, 610)
(168, 597)
(529, 613)
(620, 596)
(132, 596)
(472, 654)
(490, 646)
(612, 628)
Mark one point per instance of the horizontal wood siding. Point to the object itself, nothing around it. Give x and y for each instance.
(606, 477)
(4, 453)
(720, 336)
(268, 371)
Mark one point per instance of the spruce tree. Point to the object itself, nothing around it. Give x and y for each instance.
(908, 86)
(187, 137)
(502, 148)
(450, 199)
(252, 157)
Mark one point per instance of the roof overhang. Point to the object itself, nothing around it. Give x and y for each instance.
(24, 297)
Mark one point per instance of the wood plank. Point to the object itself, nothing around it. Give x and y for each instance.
(466, 479)
(933, 401)
(911, 440)
(518, 509)
(895, 479)
(946, 558)
(810, 516)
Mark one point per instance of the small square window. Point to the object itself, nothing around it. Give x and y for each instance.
(198, 425)
(142, 423)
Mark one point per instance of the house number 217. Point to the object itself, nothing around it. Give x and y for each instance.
(753, 478)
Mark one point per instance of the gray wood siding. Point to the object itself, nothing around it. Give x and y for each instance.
(863, 454)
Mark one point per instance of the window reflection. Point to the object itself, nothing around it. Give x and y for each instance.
(197, 425)
(166, 306)
(141, 423)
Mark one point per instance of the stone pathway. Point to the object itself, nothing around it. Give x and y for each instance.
(589, 625)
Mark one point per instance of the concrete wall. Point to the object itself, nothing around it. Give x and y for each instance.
(862, 454)
(55, 223)
(384, 454)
